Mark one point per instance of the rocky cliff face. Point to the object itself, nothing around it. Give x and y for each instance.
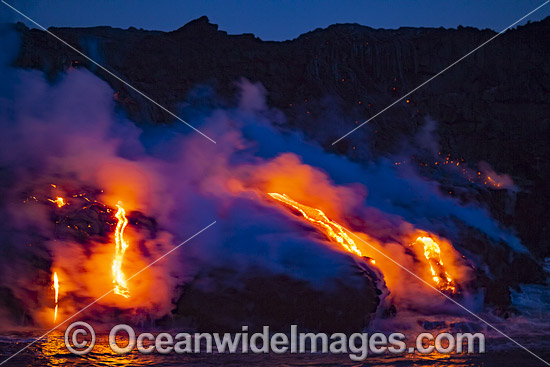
(494, 106)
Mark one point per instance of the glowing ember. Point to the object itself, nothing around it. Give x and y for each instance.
(432, 252)
(492, 182)
(332, 230)
(59, 201)
(121, 246)
(55, 287)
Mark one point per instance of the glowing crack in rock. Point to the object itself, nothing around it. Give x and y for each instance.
(119, 282)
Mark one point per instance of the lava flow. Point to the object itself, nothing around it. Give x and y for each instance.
(121, 246)
(432, 252)
(59, 201)
(337, 233)
(55, 287)
(332, 230)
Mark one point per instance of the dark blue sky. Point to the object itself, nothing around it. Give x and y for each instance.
(275, 20)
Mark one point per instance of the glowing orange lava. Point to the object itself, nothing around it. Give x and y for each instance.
(121, 246)
(432, 252)
(59, 201)
(336, 233)
(332, 230)
(55, 287)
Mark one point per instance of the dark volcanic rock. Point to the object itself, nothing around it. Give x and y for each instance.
(219, 299)
(11, 308)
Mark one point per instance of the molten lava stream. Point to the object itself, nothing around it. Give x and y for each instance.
(121, 245)
(432, 252)
(55, 287)
(332, 230)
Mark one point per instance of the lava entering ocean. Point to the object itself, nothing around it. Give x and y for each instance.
(119, 281)
(432, 252)
(172, 186)
(55, 287)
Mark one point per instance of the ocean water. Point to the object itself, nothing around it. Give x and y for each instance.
(51, 351)
(530, 327)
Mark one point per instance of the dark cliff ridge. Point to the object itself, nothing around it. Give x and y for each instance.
(494, 106)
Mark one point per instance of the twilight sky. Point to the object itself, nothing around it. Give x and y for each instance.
(274, 20)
